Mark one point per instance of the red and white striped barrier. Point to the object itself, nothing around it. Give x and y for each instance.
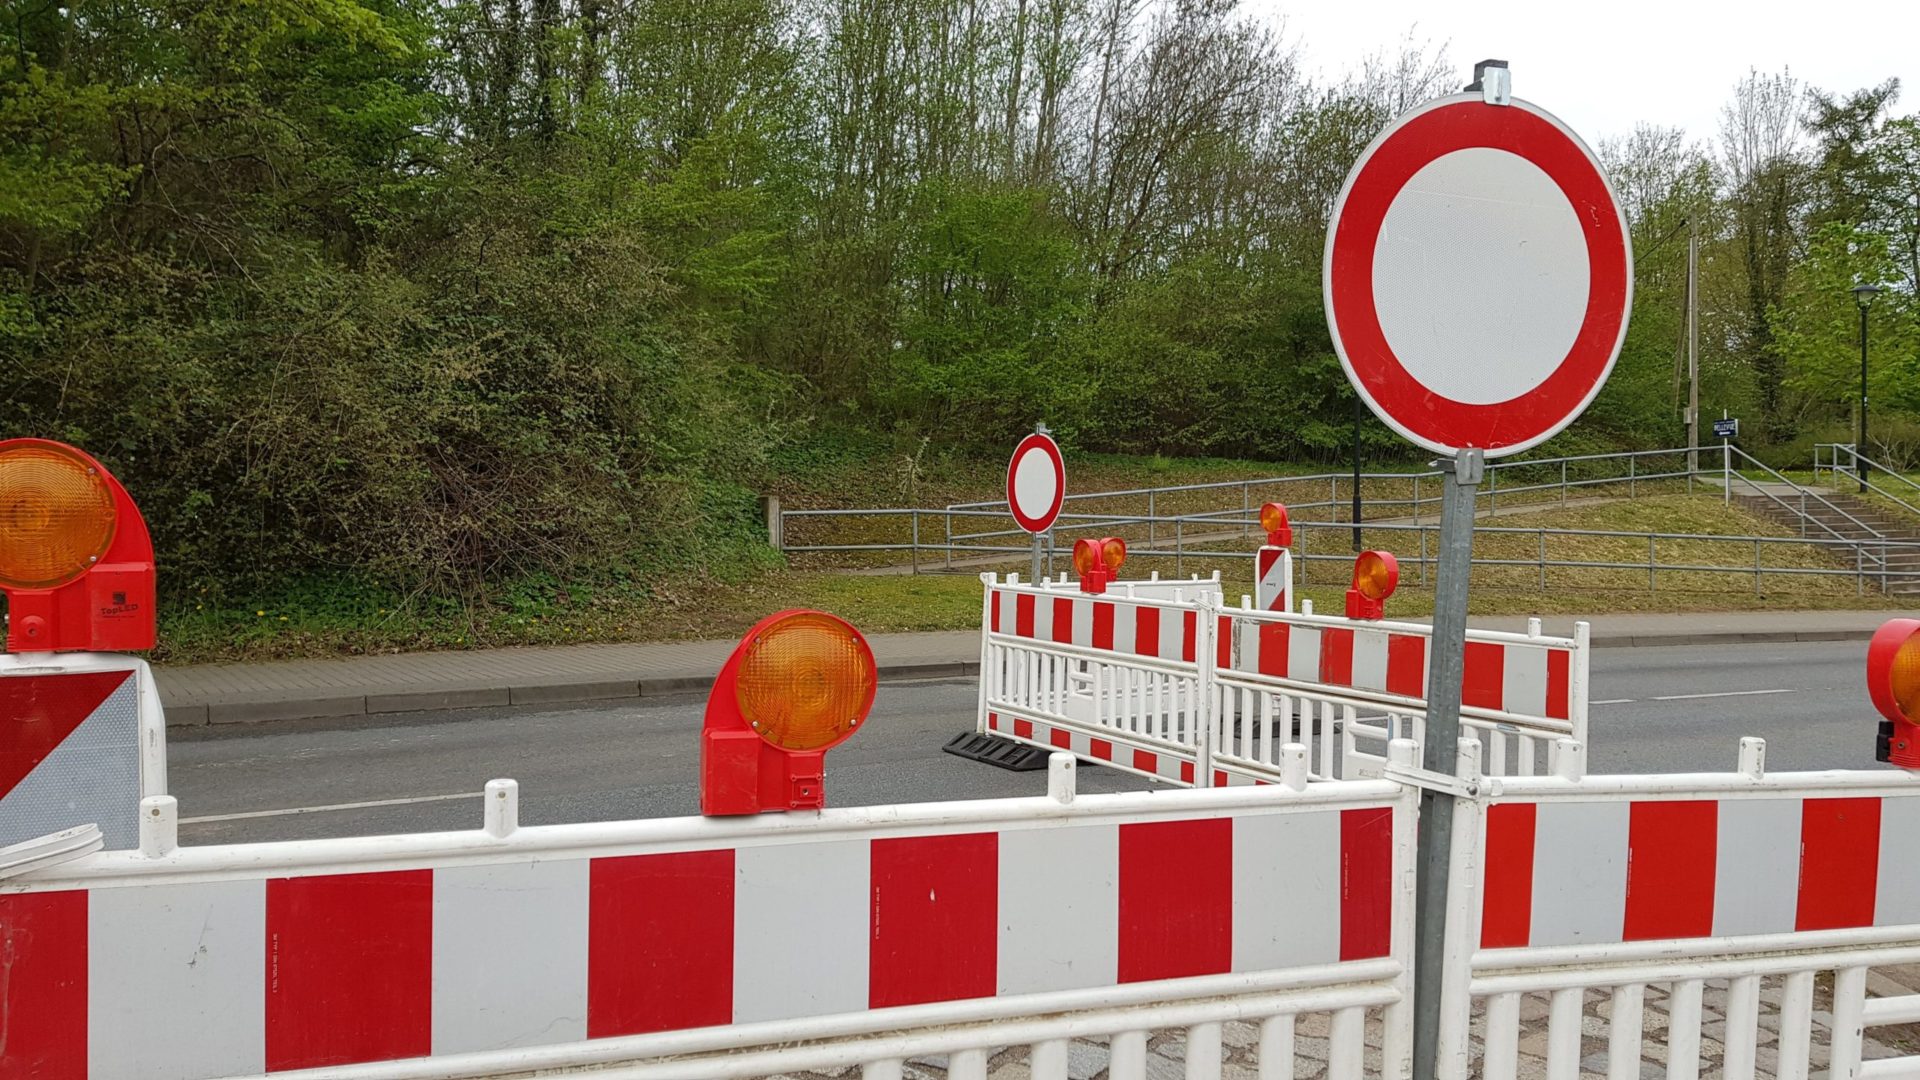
(1601, 872)
(82, 741)
(1529, 676)
(1273, 579)
(1165, 683)
(1164, 628)
(317, 955)
(1516, 674)
(1117, 753)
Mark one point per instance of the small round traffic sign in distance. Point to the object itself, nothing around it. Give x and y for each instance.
(1478, 275)
(1036, 483)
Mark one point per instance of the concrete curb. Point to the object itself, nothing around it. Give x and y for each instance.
(1735, 637)
(318, 705)
(313, 705)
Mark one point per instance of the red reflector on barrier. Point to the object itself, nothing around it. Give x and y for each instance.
(935, 904)
(349, 969)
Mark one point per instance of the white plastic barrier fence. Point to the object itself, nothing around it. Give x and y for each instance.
(716, 946)
(1704, 923)
(1180, 689)
(1770, 896)
(1522, 695)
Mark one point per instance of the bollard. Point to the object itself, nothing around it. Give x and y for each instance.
(1061, 778)
(159, 825)
(1293, 767)
(502, 814)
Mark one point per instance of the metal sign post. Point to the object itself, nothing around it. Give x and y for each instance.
(1036, 490)
(1485, 353)
(1460, 482)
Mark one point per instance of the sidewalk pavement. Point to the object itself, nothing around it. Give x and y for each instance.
(410, 682)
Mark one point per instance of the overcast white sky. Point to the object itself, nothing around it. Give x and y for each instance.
(1602, 68)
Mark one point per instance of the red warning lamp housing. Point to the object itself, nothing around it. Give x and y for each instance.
(76, 562)
(798, 684)
(1098, 562)
(1375, 575)
(1273, 518)
(1893, 682)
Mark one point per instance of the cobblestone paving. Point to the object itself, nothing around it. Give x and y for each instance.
(1166, 1058)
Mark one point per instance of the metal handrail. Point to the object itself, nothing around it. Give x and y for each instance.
(1303, 478)
(1873, 533)
(1882, 571)
(1859, 459)
(1491, 492)
(1872, 550)
(1212, 518)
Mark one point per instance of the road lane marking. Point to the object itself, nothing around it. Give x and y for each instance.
(1613, 701)
(333, 806)
(1724, 693)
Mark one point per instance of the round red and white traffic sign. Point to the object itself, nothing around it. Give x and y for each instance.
(1478, 275)
(1036, 482)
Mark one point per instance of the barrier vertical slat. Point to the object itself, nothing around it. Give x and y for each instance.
(1396, 1042)
(1326, 737)
(1796, 1026)
(1128, 1060)
(1276, 1047)
(1258, 740)
(1849, 1000)
(1346, 1049)
(1743, 1021)
(893, 1069)
(1049, 1060)
(967, 1065)
(1203, 1051)
(1563, 1034)
(1461, 919)
(987, 611)
(1683, 1030)
(1579, 678)
(1502, 1060)
(1623, 1032)
(1265, 710)
(1202, 720)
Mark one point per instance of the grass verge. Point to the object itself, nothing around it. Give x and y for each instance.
(709, 606)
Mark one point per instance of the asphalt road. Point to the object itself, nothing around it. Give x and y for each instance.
(1653, 710)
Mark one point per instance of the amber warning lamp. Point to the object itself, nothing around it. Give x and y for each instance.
(75, 560)
(1893, 682)
(798, 684)
(1273, 518)
(1098, 562)
(1375, 575)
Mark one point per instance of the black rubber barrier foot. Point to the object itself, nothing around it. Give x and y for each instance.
(993, 750)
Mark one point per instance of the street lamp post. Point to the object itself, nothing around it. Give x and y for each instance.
(1863, 295)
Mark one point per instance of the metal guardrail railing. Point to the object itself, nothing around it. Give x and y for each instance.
(1414, 504)
(1870, 537)
(1857, 467)
(1875, 566)
(1193, 534)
